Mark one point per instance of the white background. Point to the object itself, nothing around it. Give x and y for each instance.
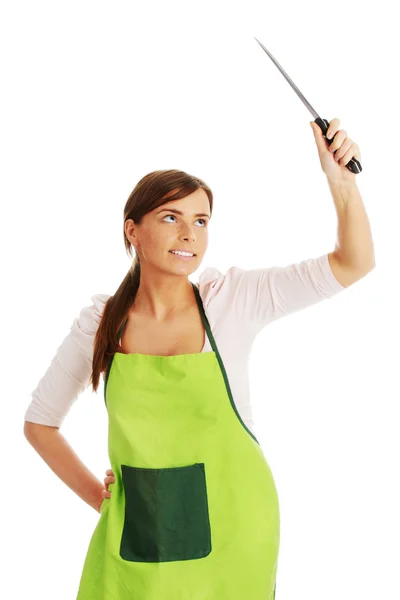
(97, 94)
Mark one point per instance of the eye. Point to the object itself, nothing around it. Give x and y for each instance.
(173, 216)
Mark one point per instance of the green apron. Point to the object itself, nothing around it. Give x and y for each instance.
(194, 511)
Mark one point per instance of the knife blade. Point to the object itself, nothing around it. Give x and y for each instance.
(353, 165)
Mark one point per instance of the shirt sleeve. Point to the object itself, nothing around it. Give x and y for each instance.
(264, 295)
(69, 372)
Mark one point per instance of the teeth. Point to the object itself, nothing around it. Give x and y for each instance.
(181, 253)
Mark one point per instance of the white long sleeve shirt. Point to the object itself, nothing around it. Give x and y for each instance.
(238, 305)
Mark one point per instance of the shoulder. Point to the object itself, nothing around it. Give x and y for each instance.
(213, 283)
(90, 315)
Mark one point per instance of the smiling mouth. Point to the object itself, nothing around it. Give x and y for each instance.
(182, 255)
(191, 254)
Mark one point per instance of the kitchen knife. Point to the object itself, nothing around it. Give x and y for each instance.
(353, 165)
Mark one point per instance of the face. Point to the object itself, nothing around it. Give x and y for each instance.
(176, 225)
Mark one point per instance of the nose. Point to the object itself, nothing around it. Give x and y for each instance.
(187, 234)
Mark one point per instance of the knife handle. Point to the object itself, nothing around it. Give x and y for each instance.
(353, 165)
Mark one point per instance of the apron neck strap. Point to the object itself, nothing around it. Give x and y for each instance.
(204, 318)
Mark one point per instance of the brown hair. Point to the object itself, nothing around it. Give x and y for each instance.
(152, 191)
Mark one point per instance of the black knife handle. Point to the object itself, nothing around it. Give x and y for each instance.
(353, 165)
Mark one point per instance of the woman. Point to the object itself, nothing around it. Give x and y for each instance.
(194, 511)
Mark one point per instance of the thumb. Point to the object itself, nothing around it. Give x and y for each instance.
(319, 138)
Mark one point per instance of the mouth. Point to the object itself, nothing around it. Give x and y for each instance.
(185, 256)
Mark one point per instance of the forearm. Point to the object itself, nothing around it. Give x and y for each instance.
(52, 446)
(354, 245)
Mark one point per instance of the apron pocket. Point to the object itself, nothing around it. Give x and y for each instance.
(166, 514)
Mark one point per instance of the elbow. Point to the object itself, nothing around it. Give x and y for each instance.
(28, 427)
(32, 430)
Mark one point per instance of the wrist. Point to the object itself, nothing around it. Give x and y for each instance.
(97, 498)
(342, 183)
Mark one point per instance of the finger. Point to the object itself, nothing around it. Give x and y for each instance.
(333, 128)
(108, 480)
(109, 472)
(340, 152)
(319, 137)
(338, 140)
(347, 157)
(357, 153)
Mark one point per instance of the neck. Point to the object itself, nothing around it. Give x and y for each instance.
(164, 296)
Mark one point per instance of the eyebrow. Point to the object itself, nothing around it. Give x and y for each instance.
(178, 212)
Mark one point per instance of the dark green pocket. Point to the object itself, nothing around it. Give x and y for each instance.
(166, 514)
